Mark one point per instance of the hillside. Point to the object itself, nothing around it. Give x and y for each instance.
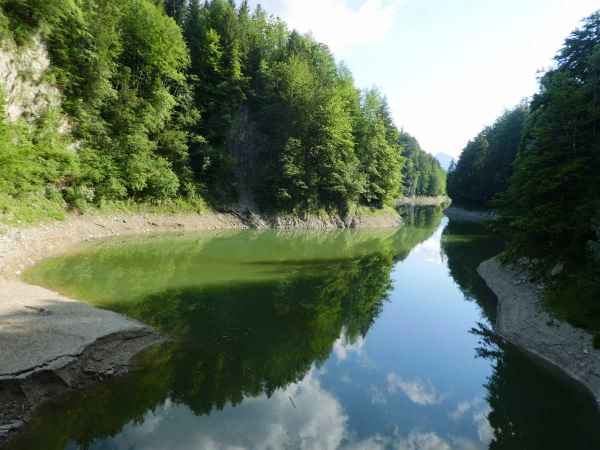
(181, 104)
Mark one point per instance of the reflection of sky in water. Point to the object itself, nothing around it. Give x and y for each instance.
(412, 384)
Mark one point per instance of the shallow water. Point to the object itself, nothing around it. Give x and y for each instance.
(345, 340)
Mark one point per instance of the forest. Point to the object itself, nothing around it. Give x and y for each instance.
(539, 165)
(195, 102)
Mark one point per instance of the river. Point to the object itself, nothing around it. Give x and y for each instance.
(342, 340)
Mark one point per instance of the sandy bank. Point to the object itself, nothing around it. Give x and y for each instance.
(523, 321)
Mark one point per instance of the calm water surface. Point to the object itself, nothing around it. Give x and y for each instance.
(346, 340)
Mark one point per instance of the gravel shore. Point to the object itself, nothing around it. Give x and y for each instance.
(523, 321)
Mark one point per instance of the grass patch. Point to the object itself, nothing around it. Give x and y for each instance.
(30, 209)
(167, 206)
(33, 209)
(366, 211)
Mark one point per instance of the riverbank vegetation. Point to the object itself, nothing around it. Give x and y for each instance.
(177, 101)
(539, 165)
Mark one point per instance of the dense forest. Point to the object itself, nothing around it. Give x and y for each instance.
(485, 165)
(193, 101)
(540, 165)
(422, 173)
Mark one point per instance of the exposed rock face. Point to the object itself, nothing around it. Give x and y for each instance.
(523, 321)
(246, 143)
(381, 219)
(23, 78)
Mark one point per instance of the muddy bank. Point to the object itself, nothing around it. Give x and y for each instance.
(523, 321)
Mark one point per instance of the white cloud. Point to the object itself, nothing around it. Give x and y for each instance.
(377, 396)
(343, 347)
(412, 441)
(464, 407)
(315, 420)
(335, 22)
(484, 428)
(423, 441)
(418, 391)
(431, 250)
(480, 412)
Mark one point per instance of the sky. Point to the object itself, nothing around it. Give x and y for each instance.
(448, 67)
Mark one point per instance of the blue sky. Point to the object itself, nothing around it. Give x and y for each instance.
(448, 67)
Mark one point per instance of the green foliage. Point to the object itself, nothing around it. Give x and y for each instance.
(486, 163)
(171, 99)
(121, 66)
(379, 151)
(313, 144)
(544, 161)
(422, 173)
(37, 164)
(552, 205)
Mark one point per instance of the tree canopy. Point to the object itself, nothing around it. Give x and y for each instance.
(539, 164)
(422, 173)
(486, 163)
(180, 98)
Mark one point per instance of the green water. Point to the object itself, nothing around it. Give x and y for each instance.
(344, 340)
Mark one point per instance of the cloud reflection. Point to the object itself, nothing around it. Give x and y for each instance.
(480, 412)
(303, 416)
(343, 347)
(418, 391)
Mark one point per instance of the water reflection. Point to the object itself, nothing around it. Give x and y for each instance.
(527, 405)
(331, 341)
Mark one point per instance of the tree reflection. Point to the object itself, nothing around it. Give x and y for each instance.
(533, 407)
(232, 339)
(466, 245)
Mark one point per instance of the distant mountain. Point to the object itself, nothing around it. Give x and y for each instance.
(445, 160)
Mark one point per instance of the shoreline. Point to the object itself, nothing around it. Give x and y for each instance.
(467, 215)
(55, 344)
(52, 344)
(423, 201)
(523, 321)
